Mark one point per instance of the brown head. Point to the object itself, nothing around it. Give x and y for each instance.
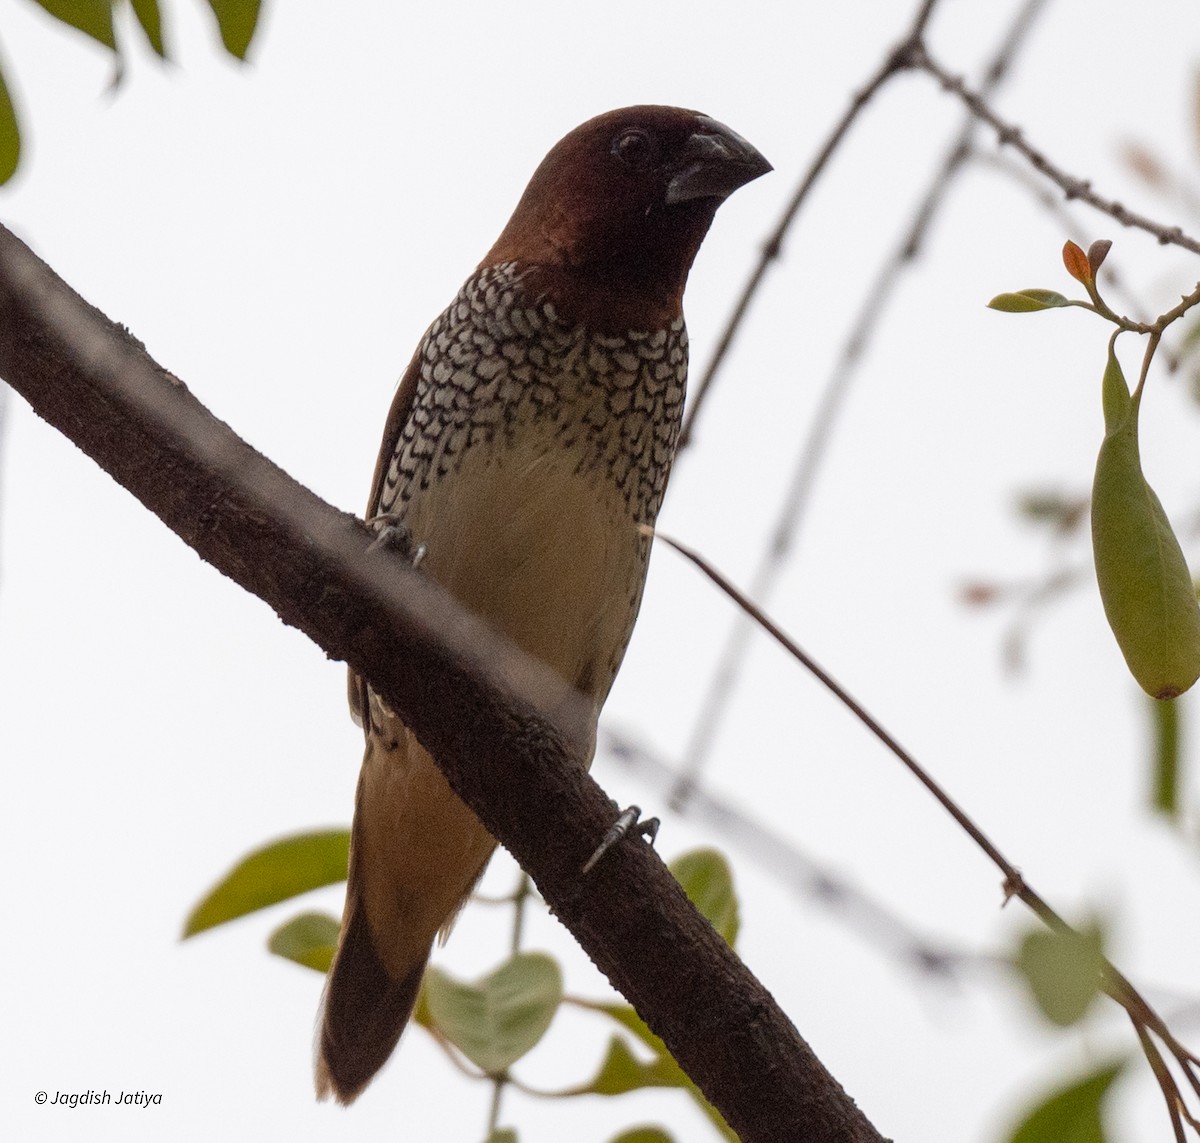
(615, 213)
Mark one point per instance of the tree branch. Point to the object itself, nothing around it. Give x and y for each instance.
(1008, 134)
(476, 703)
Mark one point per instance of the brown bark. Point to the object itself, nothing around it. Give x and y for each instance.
(472, 699)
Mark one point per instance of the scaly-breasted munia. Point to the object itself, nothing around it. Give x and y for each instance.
(531, 435)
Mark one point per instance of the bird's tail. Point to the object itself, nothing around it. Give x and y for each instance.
(415, 853)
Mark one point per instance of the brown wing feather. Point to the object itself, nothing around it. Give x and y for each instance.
(397, 417)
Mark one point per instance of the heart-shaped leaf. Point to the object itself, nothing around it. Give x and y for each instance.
(1063, 970)
(496, 1021)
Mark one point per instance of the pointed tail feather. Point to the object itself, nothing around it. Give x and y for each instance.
(415, 853)
(365, 1012)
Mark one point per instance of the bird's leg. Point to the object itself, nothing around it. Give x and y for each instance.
(392, 532)
(628, 820)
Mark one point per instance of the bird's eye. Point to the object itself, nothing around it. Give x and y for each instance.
(635, 148)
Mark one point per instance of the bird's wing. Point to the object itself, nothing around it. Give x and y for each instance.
(398, 415)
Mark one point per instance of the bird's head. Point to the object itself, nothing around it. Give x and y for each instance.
(613, 217)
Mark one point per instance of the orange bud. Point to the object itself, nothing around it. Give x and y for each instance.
(1076, 262)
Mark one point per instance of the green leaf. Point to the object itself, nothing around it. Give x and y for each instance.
(644, 1135)
(1071, 1114)
(1028, 301)
(502, 1135)
(237, 21)
(150, 19)
(1063, 970)
(92, 17)
(283, 869)
(1166, 717)
(1114, 393)
(628, 1018)
(1145, 586)
(10, 134)
(622, 1071)
(707, 880)
(309, 939)
(496, 1021)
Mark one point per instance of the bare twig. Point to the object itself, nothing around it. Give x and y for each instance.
(519, 899)
(1012, 876)
(878, 925)
(905, 55)
(895, 62)
(1166, 1081)
(1011, 135)
(1113, 982)
(820, 431)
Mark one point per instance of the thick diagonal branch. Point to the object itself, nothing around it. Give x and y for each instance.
(473, 700)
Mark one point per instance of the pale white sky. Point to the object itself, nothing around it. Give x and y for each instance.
(279, 235)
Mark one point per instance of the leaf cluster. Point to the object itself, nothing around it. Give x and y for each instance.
(236, 22)
(494, 1022)
(1147, 590)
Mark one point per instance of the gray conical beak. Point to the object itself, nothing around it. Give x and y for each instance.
(714, 163)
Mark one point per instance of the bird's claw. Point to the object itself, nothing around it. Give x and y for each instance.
(393, 533)
(627, 820)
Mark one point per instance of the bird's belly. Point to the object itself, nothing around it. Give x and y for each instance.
(550, 556)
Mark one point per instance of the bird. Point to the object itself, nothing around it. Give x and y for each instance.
(529, 441)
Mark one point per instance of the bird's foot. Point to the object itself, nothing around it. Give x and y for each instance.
(393, 533)
(628, 821)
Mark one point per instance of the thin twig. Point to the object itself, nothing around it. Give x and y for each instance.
(820, 431)
(1110, 275)
(1166, 1081)
(1113, 982)
(1010, 135)
(921, 19)
(874, 922)
(1012, 877)
(498, 1083)
(895, 62)
(519, 899)
(908, 53)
